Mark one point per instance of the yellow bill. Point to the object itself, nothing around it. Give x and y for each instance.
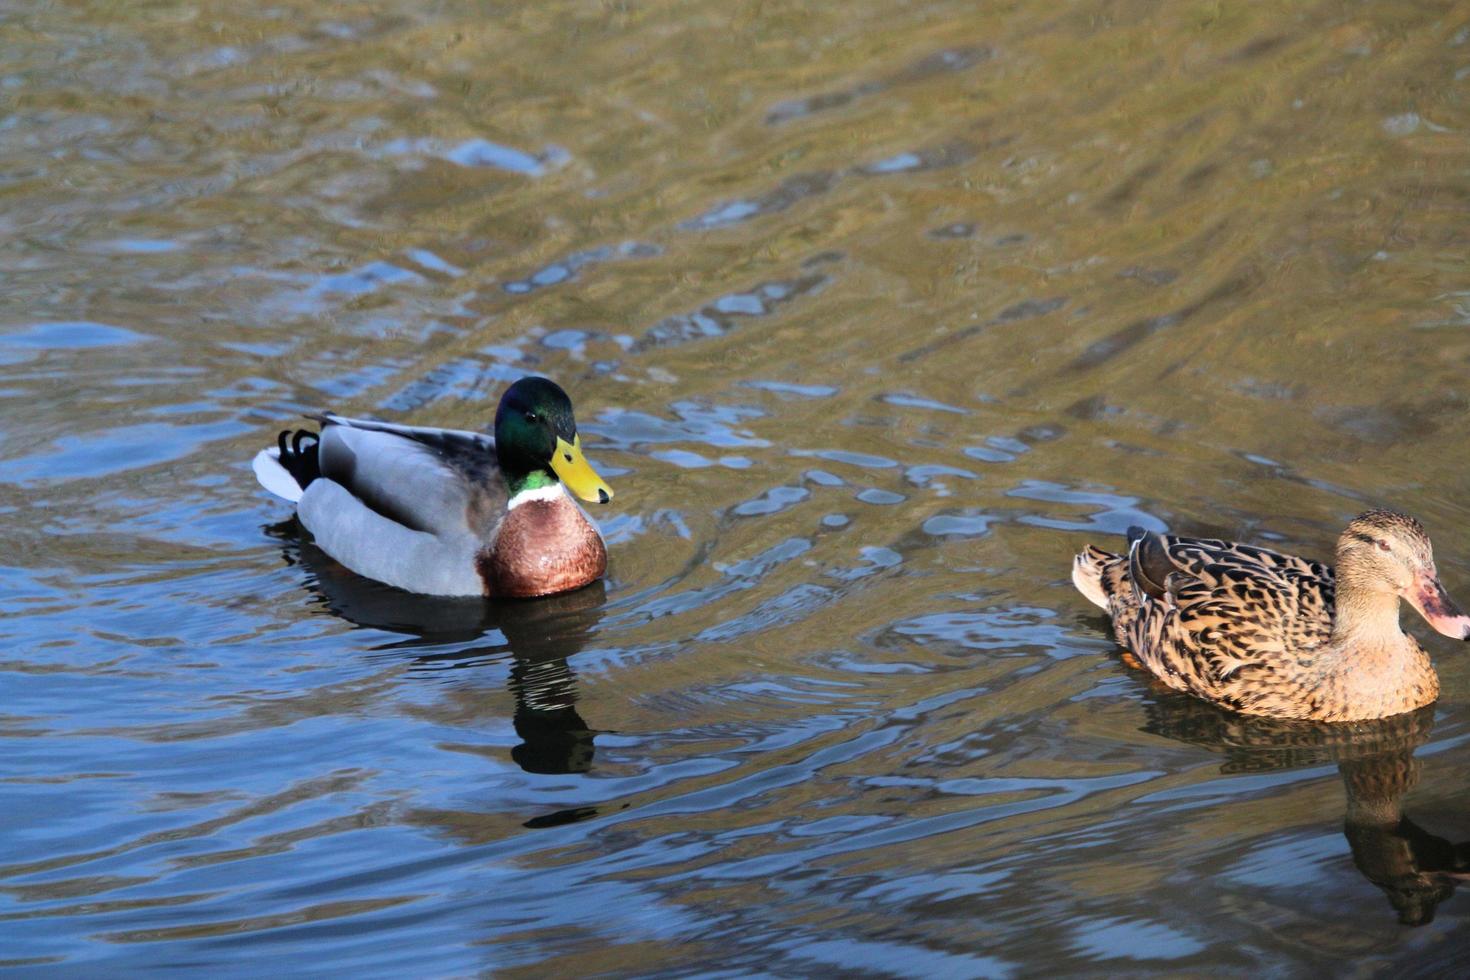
(573, 469)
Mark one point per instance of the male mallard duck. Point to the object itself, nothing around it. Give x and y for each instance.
(447, 512)
(1260, 632)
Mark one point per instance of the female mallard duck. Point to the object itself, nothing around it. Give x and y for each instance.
(446, 512)
(1270, 634)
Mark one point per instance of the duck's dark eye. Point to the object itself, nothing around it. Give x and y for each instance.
(1382, 545)
(530, 416)
(568, 456)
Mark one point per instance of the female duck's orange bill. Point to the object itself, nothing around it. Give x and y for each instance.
(1429, 597)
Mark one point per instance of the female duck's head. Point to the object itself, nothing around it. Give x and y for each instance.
(1388, 553)
(536, 442)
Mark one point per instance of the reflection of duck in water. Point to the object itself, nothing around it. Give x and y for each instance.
(540, 637)
(445, 512)
(1275, 635)
(1416, 869)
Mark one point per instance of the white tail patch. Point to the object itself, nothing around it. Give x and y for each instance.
(275, 477)
(1087, 576)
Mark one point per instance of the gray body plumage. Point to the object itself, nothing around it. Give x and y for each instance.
(405, 505)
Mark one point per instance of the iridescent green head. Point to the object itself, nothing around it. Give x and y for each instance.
(536, 441)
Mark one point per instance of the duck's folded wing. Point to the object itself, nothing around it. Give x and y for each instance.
(474, 447)
(1238, 607)
(437, 481)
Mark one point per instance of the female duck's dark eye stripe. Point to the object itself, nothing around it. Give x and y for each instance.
(1365, 538)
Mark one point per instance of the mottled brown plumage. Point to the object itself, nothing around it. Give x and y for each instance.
(1270, 634)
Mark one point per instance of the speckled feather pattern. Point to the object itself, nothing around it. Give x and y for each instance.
(1250, 629)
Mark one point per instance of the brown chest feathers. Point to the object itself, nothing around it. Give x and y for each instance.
(541, 547)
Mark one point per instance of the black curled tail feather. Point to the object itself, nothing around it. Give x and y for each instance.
(299, 455)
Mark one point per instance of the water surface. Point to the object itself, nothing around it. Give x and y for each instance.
(873, 315)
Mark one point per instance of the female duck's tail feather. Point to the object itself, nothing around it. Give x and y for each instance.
(1087, 570)
(287, 468)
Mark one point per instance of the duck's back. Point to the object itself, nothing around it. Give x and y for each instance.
(438, 481)
(404, 505)
(1228, 622)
